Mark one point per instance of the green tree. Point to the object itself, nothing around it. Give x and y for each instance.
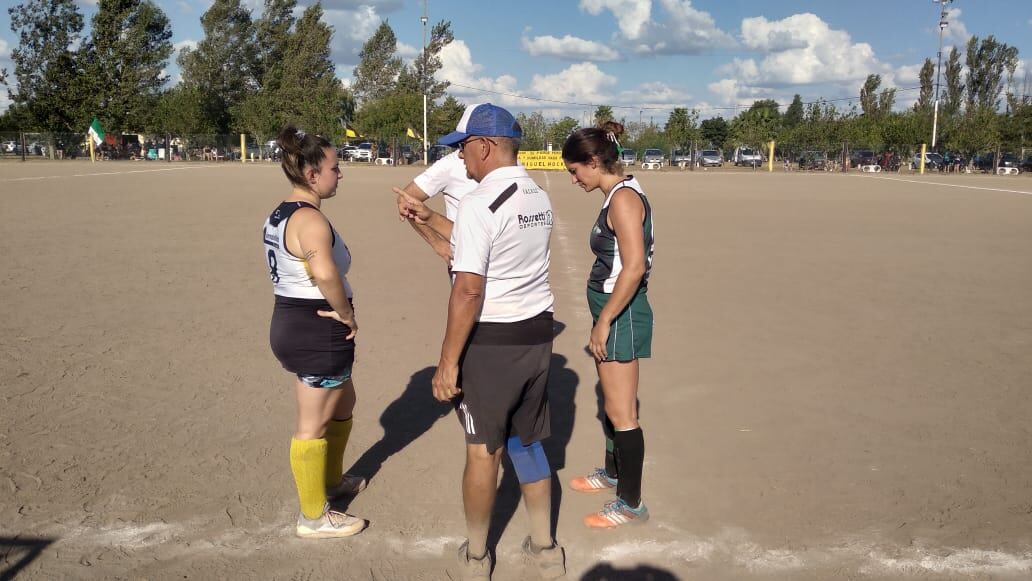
(758, 124)
(125, 60)
(272, 33)
(310, 94)
(602, 114)
(426, 65)
(443, 118)
(987, 62)
(258, 114)
(561, 130)
(181, 111)
(388, 117)
(886, 100)
(682, 127)
(953, 96)
(378, 67)
(49, 84)
(223, 66)
(977, 131)
(924, 99)
(794, 113)
(535, 131)
(869, 95)
(715, 131)
(16, 118)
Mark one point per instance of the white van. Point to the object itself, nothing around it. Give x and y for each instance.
(745, 155)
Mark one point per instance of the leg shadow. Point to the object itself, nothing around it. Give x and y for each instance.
(405, 419)
(607, 572)
(562, 389)
(16, 553)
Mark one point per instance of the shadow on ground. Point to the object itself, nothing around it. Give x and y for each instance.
(16, 553)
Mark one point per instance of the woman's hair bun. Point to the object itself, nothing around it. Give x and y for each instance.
(613, 127)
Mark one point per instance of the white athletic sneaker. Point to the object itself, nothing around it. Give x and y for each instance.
(350, 485)
(331, 525)
(473, 569)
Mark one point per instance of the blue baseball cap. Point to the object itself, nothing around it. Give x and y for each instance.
(483, 119)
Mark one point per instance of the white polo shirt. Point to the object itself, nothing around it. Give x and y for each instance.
(447, 175)
(502, 233)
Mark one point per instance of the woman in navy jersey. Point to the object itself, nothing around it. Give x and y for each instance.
(313, 331)
(622, 241)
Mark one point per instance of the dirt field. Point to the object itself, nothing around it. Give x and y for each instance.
(840, 386)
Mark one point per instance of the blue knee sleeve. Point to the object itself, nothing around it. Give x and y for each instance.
(529, 461)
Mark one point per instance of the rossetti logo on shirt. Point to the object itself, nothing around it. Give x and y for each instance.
(535, 220)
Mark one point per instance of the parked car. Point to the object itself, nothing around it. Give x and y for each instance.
(863, 157)
(408, 156)
(679, 157)
(347, 152)
(710, 158)
(986, 162)
(628, 156)
(745, 155)
(1026, 164)
(436, 152)
(933, 161)
(813, 160)
(364, 152)
(652, 156)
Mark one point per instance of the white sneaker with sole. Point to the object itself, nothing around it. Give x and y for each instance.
(332, 524)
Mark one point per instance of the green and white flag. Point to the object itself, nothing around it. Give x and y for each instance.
(96, 132)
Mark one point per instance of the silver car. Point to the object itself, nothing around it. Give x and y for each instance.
(710, 158)
(652, 156)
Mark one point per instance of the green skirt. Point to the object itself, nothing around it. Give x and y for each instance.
(630, 335)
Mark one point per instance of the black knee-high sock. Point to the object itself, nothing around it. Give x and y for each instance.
(630, 455)
(609, 430)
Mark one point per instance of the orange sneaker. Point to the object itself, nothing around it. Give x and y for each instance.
(597, 481)
(617, 513)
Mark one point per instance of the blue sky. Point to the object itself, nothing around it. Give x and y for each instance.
(646, 56)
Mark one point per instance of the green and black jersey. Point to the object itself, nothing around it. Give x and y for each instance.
(606, 247)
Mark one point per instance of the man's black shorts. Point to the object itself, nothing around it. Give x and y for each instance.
(504, 380)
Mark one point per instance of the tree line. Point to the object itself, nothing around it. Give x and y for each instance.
(254, 73)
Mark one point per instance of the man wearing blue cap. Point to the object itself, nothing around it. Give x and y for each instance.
(498, 343)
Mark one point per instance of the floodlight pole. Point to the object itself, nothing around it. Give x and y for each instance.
(942, 28)
(424, 19)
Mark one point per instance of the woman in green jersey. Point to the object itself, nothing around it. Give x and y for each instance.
(622, 241)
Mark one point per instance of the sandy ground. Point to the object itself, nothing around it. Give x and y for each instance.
(840, 386)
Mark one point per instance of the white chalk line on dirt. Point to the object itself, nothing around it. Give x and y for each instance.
(109, 173)
(942, 184)
(868, 558)
(730, 546)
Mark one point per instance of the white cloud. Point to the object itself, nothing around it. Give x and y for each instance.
(800, 50)
(382, 6)
(407, 52)
(569, 48)
(956, 30)
(580, 83)
(655, 94)
(631, 15)
(179, 46)
(681, 29)
(5, 50)
(906, 76)
(351, 29)
(457, 67)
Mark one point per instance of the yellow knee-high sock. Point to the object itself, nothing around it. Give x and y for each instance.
(308, 463)
(337, 434)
